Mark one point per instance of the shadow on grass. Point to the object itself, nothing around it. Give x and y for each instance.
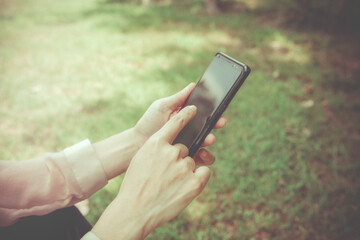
(287, 163)
(315, 193)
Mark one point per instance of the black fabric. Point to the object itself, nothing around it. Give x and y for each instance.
(63, 224)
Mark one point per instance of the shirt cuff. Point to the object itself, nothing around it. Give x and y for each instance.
(87, 168)
(90, 236)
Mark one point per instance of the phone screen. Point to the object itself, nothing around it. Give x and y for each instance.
(208, 94)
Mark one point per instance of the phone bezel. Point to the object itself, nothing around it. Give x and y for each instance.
(199, 139)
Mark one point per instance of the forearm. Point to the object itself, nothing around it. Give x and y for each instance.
(116, 152)
(120, 221)
(160, 182)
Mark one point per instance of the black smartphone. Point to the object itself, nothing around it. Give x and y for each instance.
(212, 94)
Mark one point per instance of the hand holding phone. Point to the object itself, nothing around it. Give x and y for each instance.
(211, 96)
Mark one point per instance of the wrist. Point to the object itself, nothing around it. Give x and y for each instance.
(139, 137)
(121, 221)
(116, 152)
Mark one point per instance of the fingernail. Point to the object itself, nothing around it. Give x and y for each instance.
(192, 107)
(203, 154)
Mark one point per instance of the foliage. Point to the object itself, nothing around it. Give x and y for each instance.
(288, 160)
(333, 15)
(328, 15)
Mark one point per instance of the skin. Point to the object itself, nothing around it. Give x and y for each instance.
(161, 180)
(159, 183)
(116, 152)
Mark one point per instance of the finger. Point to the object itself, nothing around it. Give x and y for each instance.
(184, 151)
(210, 139)
(204, 157)
(177, 100)
(190, 163)
(172, 127)
(220, 123)
(203, 174)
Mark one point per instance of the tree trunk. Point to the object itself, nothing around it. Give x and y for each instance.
(211, 7)
(147, 2)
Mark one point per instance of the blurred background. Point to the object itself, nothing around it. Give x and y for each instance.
(288, 160)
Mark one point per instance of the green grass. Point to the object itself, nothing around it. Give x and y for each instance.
(288, 160)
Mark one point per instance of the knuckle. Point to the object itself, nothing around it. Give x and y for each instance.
(157, 102)
(184, 168)
(189, 162)
(175, 152)
(196, 186)
(179, 118)
(155, 140)
(160, 104)
(183, 150)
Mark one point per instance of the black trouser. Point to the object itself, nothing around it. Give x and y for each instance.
(63, 224)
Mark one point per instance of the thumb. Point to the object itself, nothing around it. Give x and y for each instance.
(177, 100)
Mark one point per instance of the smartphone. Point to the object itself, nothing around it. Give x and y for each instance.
(212, 94)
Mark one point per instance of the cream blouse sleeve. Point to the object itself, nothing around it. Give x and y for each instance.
(41, 185)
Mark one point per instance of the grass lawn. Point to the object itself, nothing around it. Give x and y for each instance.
(288, 160)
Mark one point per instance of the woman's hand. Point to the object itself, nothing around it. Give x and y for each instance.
(161, 111)
(159, 183)
(116, 151)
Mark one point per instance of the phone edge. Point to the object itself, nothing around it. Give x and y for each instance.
(222, 107)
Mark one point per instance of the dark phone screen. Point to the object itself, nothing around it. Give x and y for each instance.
(208, 94)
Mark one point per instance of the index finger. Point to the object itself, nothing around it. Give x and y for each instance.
(172, 128)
